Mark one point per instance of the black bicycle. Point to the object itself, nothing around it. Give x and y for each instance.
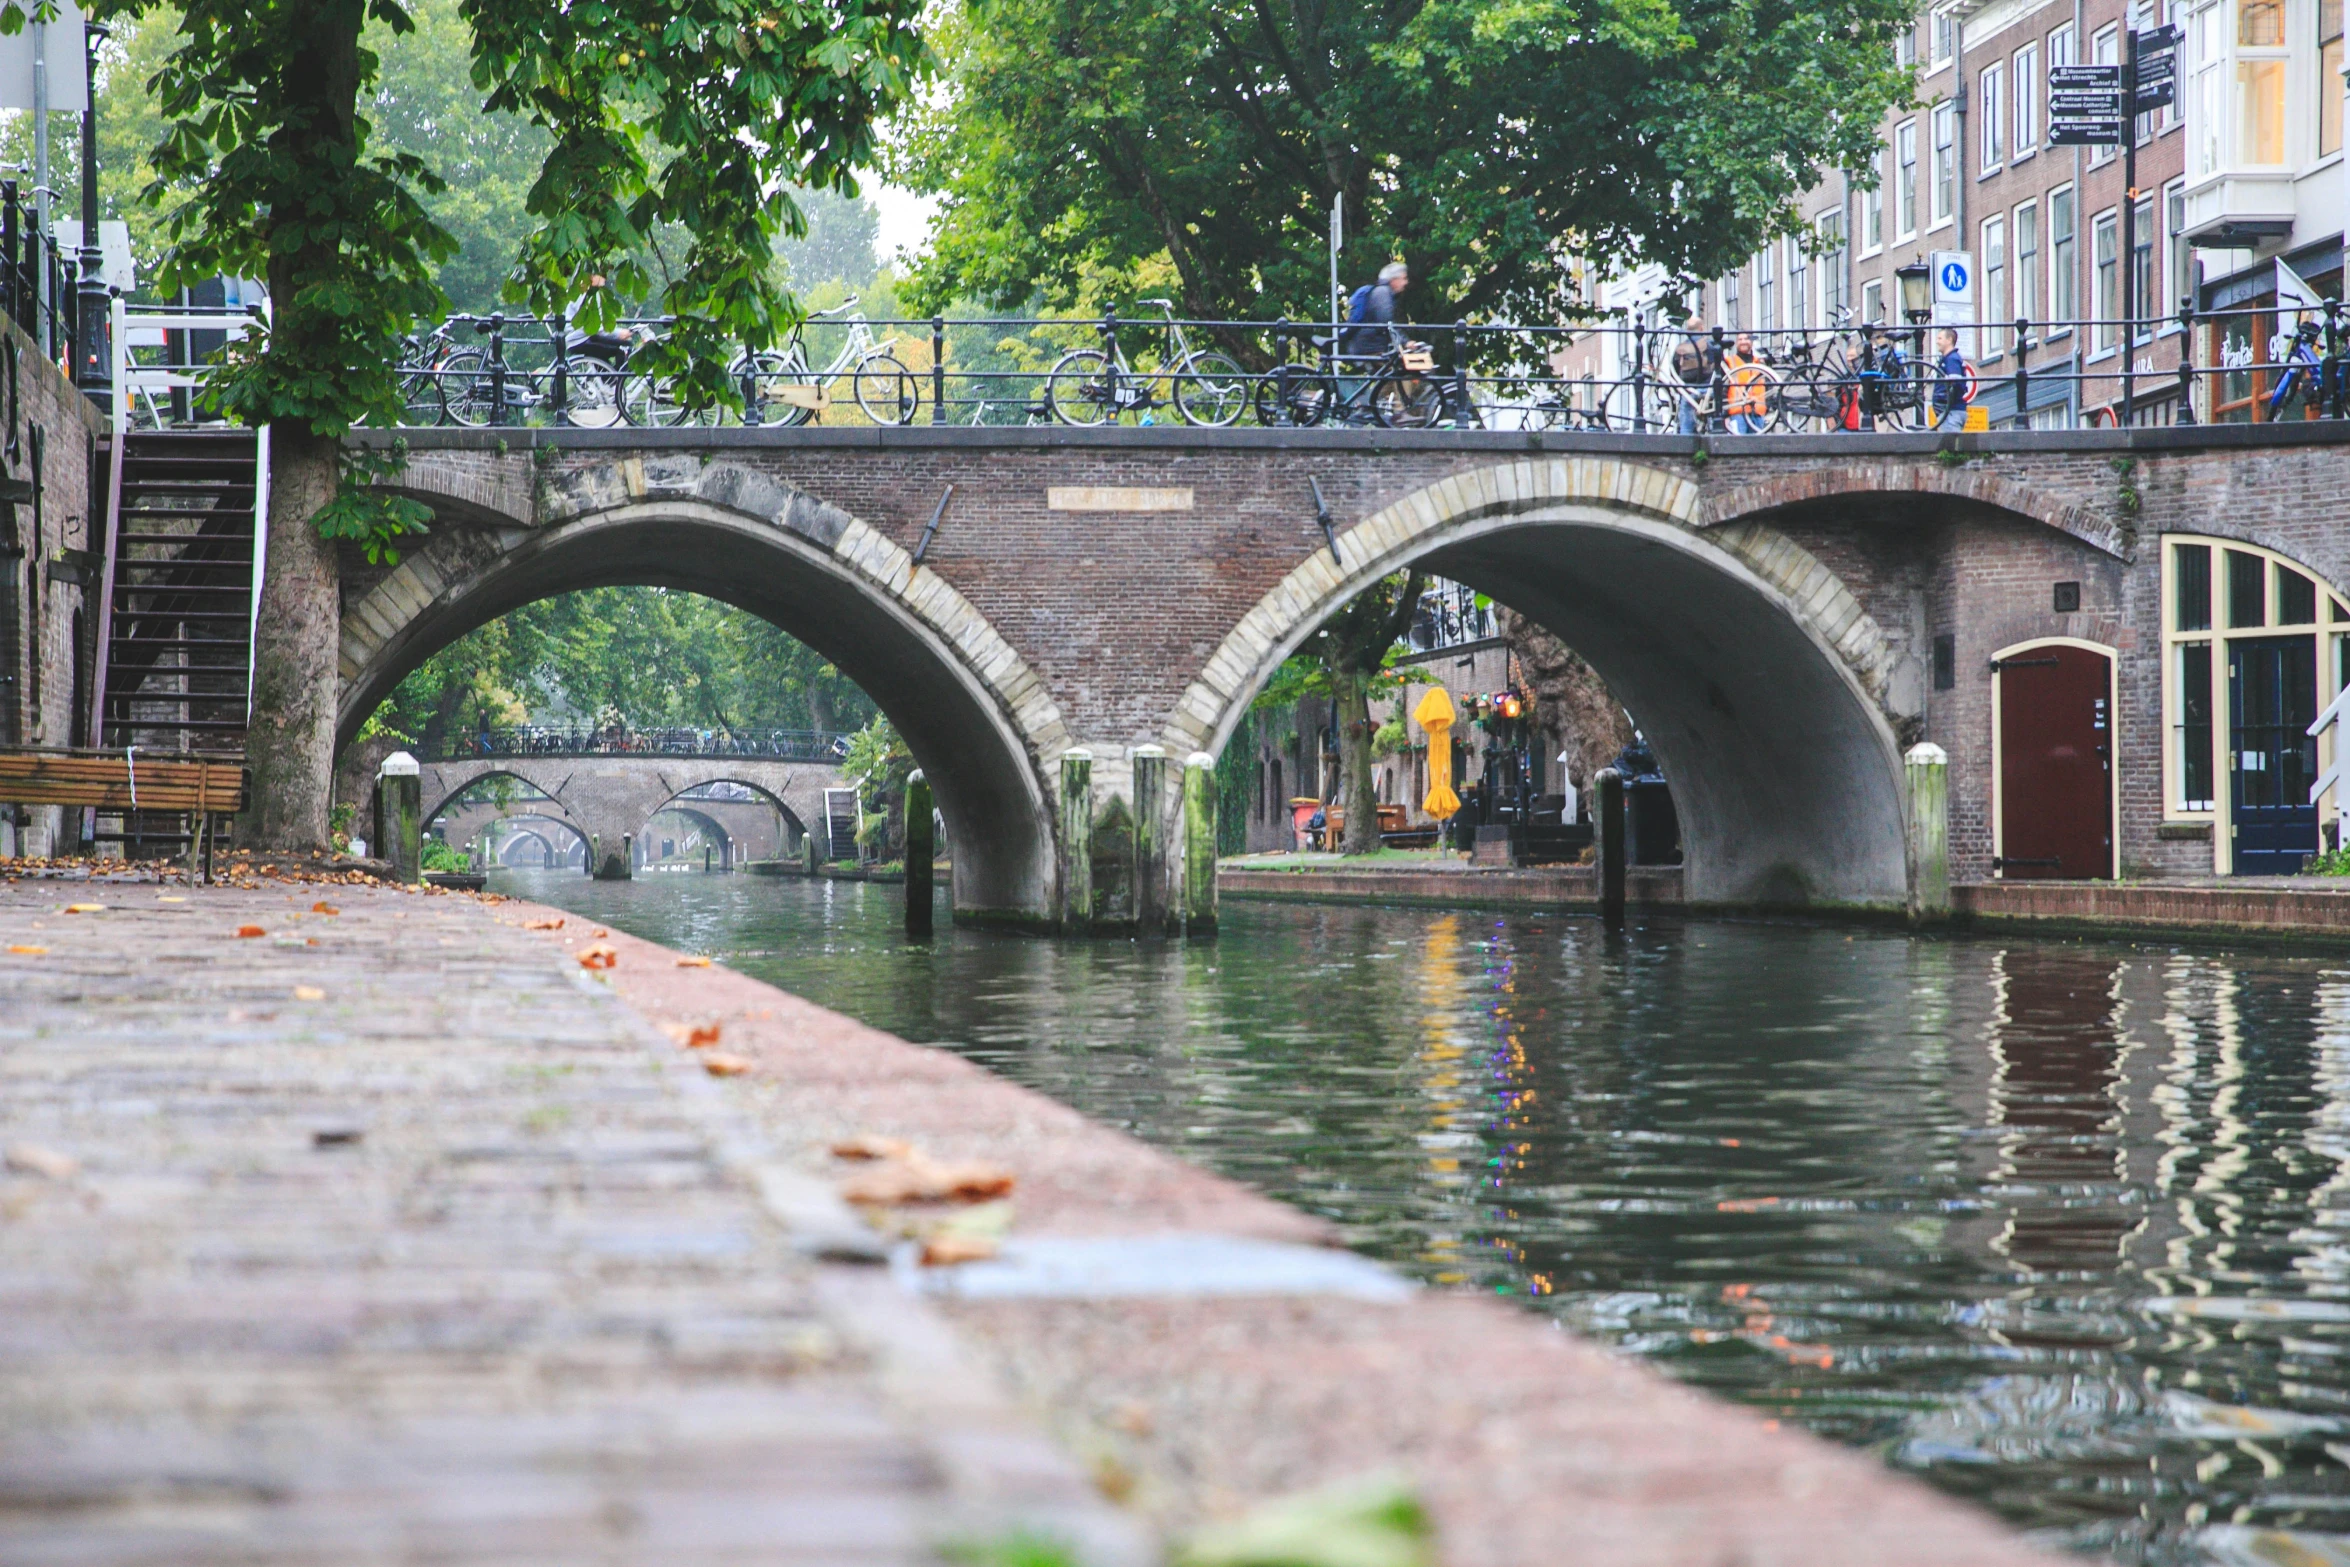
(1398, 389)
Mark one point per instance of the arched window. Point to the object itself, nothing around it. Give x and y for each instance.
(2255, 645)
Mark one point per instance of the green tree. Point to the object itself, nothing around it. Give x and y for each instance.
(1348, 660)
(697, 115)
(1480, 140)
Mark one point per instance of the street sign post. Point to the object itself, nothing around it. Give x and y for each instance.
(2085, 105)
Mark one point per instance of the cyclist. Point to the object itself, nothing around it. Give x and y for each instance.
(1370, 314)
(1952, 380)
(1749, 379)
(1693, 368)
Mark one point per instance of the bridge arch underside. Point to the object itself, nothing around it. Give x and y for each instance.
(984, 780)
(1785, 768)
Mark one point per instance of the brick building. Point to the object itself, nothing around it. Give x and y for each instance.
(2244, 170)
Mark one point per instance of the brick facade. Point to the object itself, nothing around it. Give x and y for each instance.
(1113, 628)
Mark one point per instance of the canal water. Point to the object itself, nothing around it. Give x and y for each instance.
(2062, 1226)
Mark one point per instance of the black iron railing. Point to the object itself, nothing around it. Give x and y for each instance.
(1629, 374)
(773, 744)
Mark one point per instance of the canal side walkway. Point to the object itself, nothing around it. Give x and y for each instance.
(397, 1234)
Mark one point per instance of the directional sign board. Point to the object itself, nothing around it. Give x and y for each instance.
(2083, 105)
(2107, 77)
(2086, 133)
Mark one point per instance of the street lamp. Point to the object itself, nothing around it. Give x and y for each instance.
(1917, 290)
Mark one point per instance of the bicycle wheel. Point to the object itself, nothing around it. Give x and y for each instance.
(1078, 389)
(592, 394)
(1211, 389)
(465, 387)
(420, 396)
(1407, 402)
(777, 390)
(1809, 400)
(1292, 396)
(648, 399)
(886, 389)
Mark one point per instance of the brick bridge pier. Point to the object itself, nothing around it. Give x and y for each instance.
(1782, 615)
(605, 800)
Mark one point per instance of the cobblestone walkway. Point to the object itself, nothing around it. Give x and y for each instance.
(388, 1236)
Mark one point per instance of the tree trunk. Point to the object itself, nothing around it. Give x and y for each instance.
(1352, 689)
(1570, 700)
(290, 746)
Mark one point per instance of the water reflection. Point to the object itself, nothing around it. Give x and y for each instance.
(2064, 1226)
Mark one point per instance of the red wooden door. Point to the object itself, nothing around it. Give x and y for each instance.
(2056, 764)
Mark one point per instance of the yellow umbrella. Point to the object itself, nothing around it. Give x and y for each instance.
(1435, 714)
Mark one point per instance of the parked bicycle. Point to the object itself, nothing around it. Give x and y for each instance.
(585, 391)
(780, 388)
(1398, 389)
(1096, 386)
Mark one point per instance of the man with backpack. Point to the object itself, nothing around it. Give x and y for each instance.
(1693, 368)
(1370, 315)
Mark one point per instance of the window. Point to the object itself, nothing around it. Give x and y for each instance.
(2026, 70)
(1945, 160)
(1995, 300)
(1945, 38)
(1798, 285)
(2260, 81)
(1905, 180)
(2178, 255)
(2215, 591)
(1872, 300)
(1766, 311)
(2210, 89)
(1872, 213)
(1994, 89)
(2147, 299)
(2060, 46)
(1833, 294)
(2027, 261)
(2104, 49)
(2109, 280)
(1732, 320)
(2329, 77)
(2063, 292)
(1906, 49)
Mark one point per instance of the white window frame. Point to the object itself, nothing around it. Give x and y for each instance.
(2026, 267)
(1905, 177)
(1832, 265)
(2106, 334)
(2104, 49)
(1872, 300)
(1943, 172)
(2064, 266)
(2061, 46)
(1991, 88)
(1873, 204)
(2177, 263)
(2023, 72)
(2330, 628)
(1998, 275)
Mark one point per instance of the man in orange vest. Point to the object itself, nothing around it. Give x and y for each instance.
(1752, 387)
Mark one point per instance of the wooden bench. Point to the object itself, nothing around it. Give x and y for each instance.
(206, 788)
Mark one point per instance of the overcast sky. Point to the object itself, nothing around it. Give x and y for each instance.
(904, 216)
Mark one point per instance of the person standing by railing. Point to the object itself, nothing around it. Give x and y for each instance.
(1693, 369)
(1950, 381)
(1748, 377)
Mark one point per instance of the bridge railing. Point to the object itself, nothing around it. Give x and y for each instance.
(1630, 372)
(750, 742)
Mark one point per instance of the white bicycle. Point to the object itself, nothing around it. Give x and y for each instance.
(780, 389)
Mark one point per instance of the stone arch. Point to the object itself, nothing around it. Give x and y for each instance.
(793, 822)
(538, 797)
(978, 720)
(1979, 483)
(1762, 683)
(556, 854)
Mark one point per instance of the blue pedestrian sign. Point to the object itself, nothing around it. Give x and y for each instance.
(1954, 278)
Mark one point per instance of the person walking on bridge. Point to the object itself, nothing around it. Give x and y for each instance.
(1750, 385)
(1370, 315)
(1693, 368)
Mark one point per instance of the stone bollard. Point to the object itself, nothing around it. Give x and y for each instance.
(595, 854)
(813, 853)
(919, 849)
(1607, 790)
(1199, 844)
(1926, 772)
(400, 785)
(1076, 840)
(1150, 840)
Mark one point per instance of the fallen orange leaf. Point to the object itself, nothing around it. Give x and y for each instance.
(701, 1036)
(719, 1064)
(308, 993)
(251, 930)
(943, 1251)
(598, 957)
(542, 924)
(601, 933)
(85, 908)
(915, 1178)
(693, 962)
(323, 907)
(30, 952)
(871, 1145)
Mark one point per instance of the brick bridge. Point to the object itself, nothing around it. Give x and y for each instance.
(604, 799)
(1771, 609)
